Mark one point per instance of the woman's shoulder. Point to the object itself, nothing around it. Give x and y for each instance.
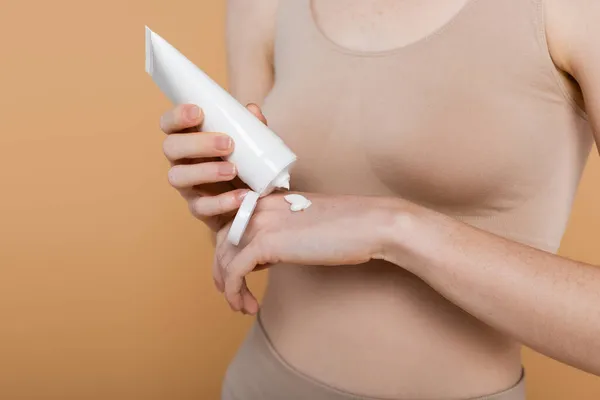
(571, 29)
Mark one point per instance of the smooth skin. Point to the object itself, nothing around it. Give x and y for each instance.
(544, 301)
(197, 171)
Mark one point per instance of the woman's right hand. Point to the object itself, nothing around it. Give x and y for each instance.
(203, 179)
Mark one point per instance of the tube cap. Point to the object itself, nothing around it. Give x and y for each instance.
(242, 218)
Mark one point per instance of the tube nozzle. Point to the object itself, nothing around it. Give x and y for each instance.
(282, 181)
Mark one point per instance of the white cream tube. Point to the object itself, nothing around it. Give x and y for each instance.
(262, 160)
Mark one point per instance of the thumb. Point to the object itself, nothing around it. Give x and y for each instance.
(254, 109)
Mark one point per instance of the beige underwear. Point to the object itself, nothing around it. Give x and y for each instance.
(259, 373)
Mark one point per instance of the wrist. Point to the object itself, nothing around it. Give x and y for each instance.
(394, 222)
(401, 231)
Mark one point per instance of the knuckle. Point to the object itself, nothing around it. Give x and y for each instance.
(200, 208)
(222, 258)
(196, 208)
(263, 251)
(171, 119)
(230, 296)
(223, 203)
(173, 176)
(210, 140)
(178, 115)
(211, 171)
(203, 145)
(169, 147)
(165, 123)
(258, 245)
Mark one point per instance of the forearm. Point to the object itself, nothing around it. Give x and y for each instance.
(547, 302)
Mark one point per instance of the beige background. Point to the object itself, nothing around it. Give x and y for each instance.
(105, 286)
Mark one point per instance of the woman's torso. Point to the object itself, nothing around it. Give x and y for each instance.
(473, 121)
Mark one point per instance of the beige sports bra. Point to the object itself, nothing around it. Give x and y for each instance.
(474, 121)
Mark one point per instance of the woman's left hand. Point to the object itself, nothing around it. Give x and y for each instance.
(334, 230)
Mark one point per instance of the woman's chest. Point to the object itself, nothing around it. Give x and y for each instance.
(380, 25)
(438, 143)
(456, 121)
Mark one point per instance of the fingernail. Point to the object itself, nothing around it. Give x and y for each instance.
(227, 169)
(242, 194)
(223, 143)
(193, 113)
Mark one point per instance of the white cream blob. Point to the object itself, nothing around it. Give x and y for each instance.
(297, 202)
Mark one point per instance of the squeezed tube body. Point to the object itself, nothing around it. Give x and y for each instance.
(262, 160)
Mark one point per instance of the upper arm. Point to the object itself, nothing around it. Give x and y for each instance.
(250, 37)
(573, 28)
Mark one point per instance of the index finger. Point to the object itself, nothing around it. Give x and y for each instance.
(180, 118)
